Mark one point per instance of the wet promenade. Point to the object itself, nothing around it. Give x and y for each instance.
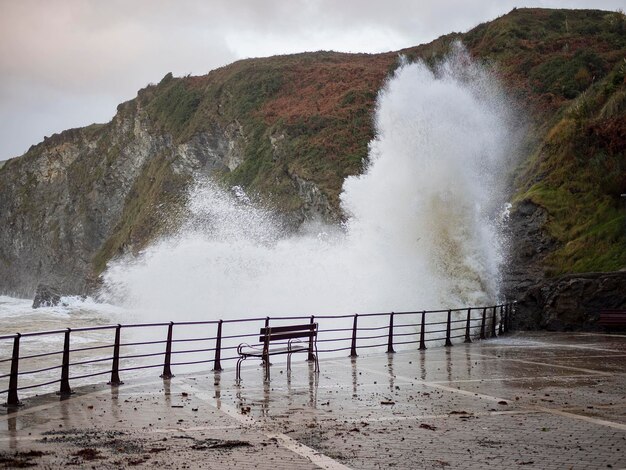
(527, 400)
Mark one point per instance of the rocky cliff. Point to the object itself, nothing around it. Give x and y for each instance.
(291, 128)
(82, 197)
(570, 302)
(64, 200)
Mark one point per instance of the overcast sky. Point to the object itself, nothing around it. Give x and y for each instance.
(68, 63)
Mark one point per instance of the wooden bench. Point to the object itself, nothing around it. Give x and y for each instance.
(288, 339)
(612, 318)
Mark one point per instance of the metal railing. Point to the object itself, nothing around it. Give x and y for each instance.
(367, 331)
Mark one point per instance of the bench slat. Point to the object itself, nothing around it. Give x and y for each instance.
(283, 336)
(281, 329)
(275, 351)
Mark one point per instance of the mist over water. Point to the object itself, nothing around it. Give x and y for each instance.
(422, 231)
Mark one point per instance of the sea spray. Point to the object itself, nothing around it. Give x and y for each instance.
(433, 186)
(421, 231)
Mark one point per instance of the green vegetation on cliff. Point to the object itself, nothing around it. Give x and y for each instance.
(569, 68)
(567, 71)
(308, 115)
(582, 164)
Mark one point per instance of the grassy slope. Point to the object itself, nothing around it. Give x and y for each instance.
(572, 73)
(319, 105)
(581, 165)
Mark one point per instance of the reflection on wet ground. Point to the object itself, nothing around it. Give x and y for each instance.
(537, 400)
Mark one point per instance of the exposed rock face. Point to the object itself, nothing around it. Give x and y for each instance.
(208, 152)
(570, 302)
(46, 296)
(314, 202)
(62, 204)
(60, 201)
(529, 244)
(82, 197)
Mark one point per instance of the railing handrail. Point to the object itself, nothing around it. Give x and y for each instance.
(237, 320)
(488, 323)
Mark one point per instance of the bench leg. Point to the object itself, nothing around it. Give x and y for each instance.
(241, 359)
(289, 362)
(267, 371)
(317, 364)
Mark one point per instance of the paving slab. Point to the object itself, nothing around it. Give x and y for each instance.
(529, 400)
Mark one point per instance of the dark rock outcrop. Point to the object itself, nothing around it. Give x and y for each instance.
(570, 302)
(46, 296)
(529, 244)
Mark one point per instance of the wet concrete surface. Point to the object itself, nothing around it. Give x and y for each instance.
(529, 400)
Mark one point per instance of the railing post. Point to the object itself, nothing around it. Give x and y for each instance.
(115, 377)
(12, 399)
(468, 338)
(65, 389)
(311, 356)
(482, 324)
(509, 318)
(506, 318)
(266, 352)
(501, 324)
(423, 332)
(493, 322)
(390, 337)
(167, 370)
(353, 346)
(448, 328)
(507, 314)
(265, 359)
(217, 365)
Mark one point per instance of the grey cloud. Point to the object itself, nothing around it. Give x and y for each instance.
(65, 63)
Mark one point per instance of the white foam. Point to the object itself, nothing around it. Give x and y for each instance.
(422, 229)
